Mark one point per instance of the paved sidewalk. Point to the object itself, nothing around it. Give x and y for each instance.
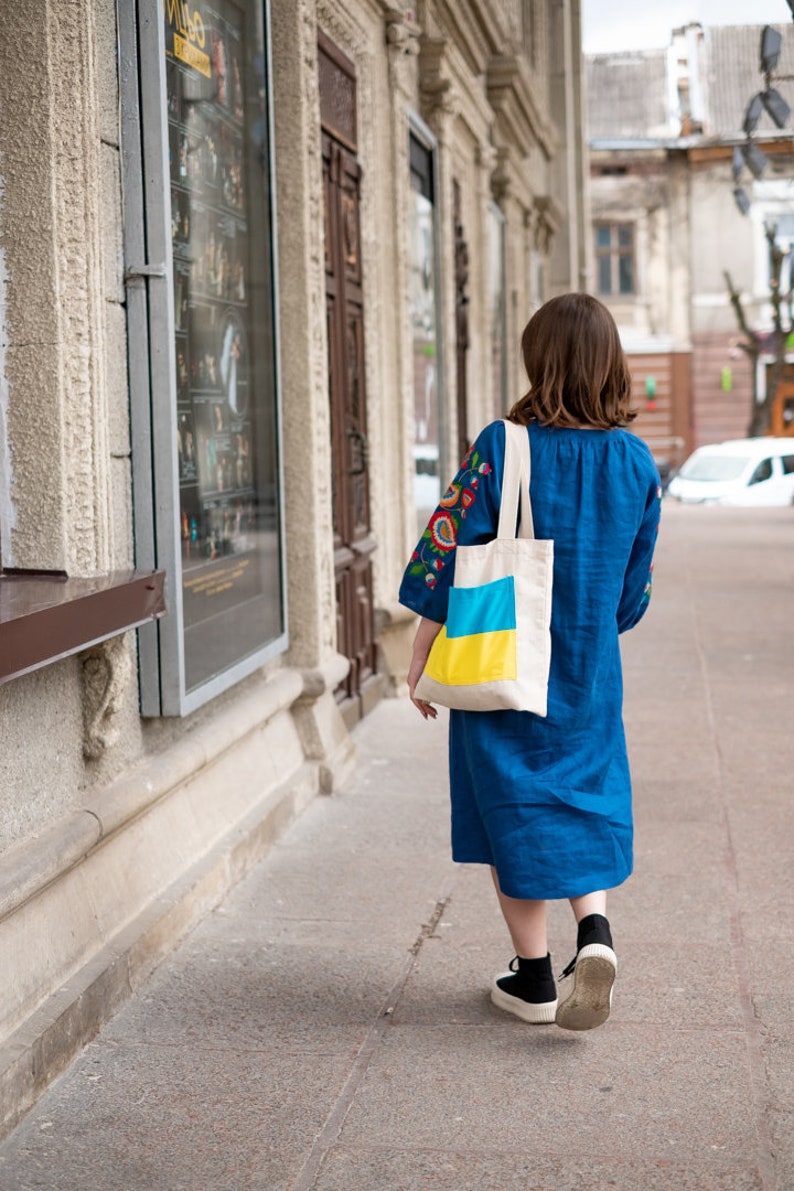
(329, 1028)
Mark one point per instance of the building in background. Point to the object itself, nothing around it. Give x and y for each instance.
(258, 290)
(662, 127)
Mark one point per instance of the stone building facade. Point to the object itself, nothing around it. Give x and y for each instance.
(263, 272)
(663, 129)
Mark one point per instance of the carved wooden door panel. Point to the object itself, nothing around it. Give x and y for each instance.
(353, 541)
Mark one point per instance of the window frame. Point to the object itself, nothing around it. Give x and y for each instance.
(422, 134)
(615, 252)
(152, 361)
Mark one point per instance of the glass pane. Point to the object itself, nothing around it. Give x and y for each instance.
(421, 159)
(604, 274)
(603, 237)
(223, 286)
(762, 472)
(427, 489)
(625, 275)
(625, 235)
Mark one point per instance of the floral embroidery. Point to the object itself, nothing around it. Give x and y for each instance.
(441, 535)
(443, 531)
(648, 590)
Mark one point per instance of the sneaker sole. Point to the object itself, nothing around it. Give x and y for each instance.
(536, 1015)
(590, 1000)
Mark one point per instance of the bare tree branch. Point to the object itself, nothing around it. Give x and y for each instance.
(751, 347)
(776, 258)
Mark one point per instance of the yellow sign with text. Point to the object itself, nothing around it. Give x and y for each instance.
(192, 56)
(189, 35)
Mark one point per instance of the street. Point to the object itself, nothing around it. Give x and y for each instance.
(329, 1028)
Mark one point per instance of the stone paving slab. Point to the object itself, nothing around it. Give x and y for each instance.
(155, 1117)
(405, 1170)
(237, 994)
(651, 1094)
(328, 1028)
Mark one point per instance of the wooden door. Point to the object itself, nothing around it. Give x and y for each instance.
(353, 541)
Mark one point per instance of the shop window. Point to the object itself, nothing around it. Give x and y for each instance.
(424, 321)
(199, 246)
(615, 263)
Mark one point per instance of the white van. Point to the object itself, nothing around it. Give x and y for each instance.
(744, 471)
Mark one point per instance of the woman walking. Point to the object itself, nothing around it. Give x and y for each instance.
(546, 801)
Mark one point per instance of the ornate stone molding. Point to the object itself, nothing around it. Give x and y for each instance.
(501, 175)
(519, 118)
(479, 29)
(402, 31)
(106, 672)
(348, 34)
(435, 86)
(549, 216)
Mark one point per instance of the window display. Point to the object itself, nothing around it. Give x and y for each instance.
(424, 325)
(221, 237)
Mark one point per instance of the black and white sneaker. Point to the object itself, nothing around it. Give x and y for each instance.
(527, 990)
(588, 1001)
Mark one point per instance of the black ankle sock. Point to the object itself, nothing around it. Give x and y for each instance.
(532, 981)
(537, 969)
(593, 929)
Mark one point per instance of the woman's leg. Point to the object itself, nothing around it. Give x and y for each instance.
(589, 903)
(589, 999)
(528, 989)
(526, 921)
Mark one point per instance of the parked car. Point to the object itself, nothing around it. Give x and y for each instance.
(743, 472)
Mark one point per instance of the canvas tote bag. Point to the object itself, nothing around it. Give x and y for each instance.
(495, 649)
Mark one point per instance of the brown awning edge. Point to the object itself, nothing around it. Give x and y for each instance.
(46, 616)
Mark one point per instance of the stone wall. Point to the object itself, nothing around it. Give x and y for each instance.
(118, 832)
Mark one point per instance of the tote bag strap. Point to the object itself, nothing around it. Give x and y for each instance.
(515, 484)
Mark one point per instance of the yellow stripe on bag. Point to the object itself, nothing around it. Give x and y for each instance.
(478, 658)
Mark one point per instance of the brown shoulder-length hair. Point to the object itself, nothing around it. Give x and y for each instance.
(578, 373)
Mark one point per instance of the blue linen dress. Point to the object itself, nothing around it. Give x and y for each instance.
(547, 801)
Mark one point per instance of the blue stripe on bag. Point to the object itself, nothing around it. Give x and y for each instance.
(489, 608)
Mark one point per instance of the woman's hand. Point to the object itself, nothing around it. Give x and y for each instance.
(425, 636)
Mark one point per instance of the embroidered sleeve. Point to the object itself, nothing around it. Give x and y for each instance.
(465, 514)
